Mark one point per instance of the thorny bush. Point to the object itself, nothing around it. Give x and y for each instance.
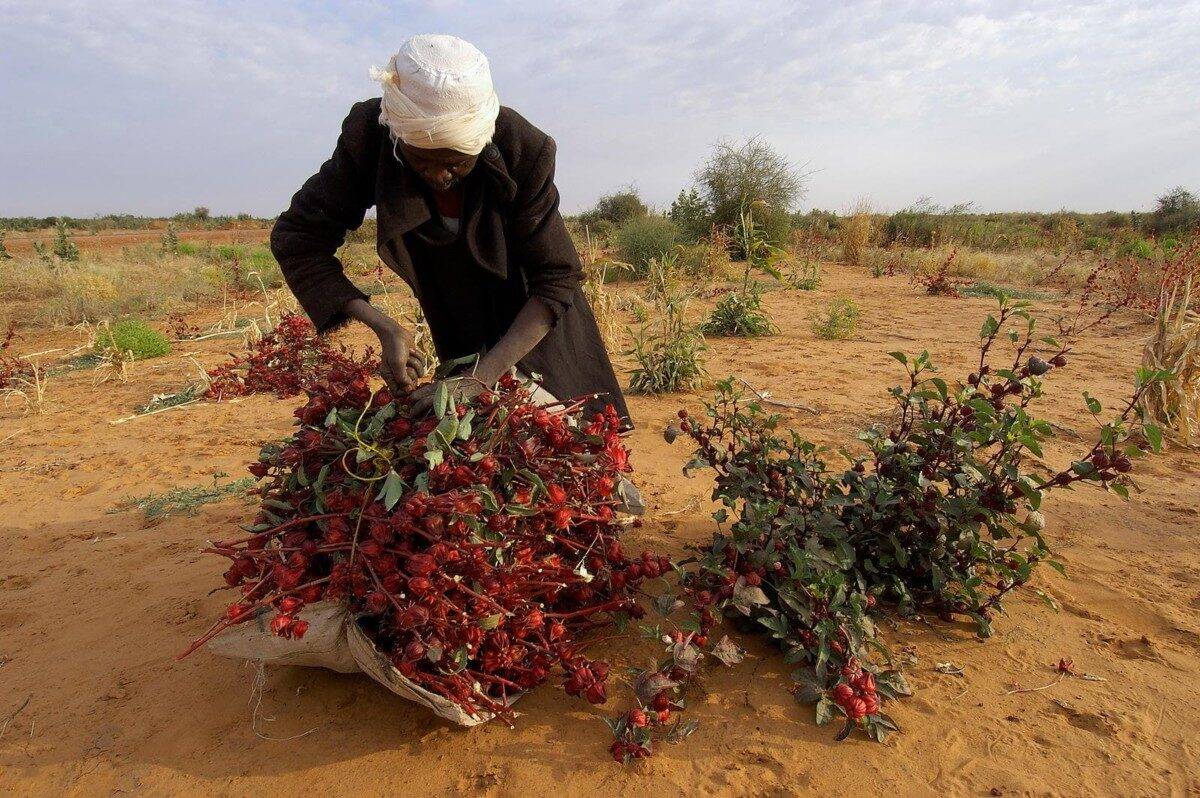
(940, 516)
(474, 547)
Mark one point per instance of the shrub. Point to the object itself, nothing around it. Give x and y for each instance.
(1174, 347)
(740, 314)
(1139, 248)
(939, 282)
(643, 238)
(753, 172)
(170, 240)
(1177, 213)
(854, 233)
(64, 247)
(616, 209)
(4, 253)
(838, 321)
(691, 215)
(132, 338)
(805, 276)
(941, 517)
(669, 351)
(915, 226)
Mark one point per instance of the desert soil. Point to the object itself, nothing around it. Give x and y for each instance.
(95, 601)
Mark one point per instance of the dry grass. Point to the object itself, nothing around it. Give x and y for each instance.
(142, 280)
(855, 233)
(597, 271)
(1174, 346)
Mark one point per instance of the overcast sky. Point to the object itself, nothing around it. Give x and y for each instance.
(158, 107)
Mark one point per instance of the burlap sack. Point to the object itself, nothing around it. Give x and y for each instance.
(333, 641)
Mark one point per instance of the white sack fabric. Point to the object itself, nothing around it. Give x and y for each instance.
(438, 94)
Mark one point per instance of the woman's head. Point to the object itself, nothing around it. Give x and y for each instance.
(439, 105)
(441, 168)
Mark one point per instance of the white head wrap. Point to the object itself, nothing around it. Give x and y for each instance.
(437, 94)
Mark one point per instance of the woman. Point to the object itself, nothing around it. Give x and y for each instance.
(467, 214)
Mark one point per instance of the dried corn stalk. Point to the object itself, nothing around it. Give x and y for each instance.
(1175, 347)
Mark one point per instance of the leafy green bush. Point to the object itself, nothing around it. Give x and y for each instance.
(1139, 248)
(64, 246)
(806, 275)
(740, 314)
(691, 215)
(1177, 213)
(643, 238)
(132, 337)
(615, 209)
(838, 321)
(669, 351)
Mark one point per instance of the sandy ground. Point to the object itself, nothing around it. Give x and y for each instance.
(95, 601)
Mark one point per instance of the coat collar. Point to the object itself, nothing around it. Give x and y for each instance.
(401, 205)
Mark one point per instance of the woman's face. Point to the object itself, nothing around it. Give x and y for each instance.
(441, 169)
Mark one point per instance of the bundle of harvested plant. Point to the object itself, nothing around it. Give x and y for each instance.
(472, 548)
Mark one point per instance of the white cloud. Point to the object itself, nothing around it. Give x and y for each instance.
(123, 105)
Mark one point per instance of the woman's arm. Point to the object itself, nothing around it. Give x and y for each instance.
(306, 237)
(531, 325)
(527, 331)
(401, 365)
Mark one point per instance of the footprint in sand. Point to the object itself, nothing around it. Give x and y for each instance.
(1098, 723)
(1134, 648)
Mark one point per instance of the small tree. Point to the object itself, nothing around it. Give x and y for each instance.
(4, 253)
(64, 247)
(753, 172)
(170, 239)
(202, 213)
(1177, 212)
(691, 215)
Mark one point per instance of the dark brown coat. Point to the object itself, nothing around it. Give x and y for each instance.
(512, 229)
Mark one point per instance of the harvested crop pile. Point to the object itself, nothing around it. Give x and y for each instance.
(286, 361)
(473, 548)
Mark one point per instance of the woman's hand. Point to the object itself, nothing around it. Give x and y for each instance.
(400, 363)
(461, 388)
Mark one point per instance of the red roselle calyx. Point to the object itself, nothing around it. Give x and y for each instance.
(473, 548)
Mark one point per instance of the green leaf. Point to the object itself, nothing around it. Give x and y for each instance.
(1153, 436)
(896, 682)
(393, 489)
(491, 621)
(441, 399)
(321, 477)
(826, 710)
(900, 356)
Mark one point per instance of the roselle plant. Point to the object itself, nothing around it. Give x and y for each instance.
(473, 547)
(286, 361)
(13, 370)
(940, 515)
